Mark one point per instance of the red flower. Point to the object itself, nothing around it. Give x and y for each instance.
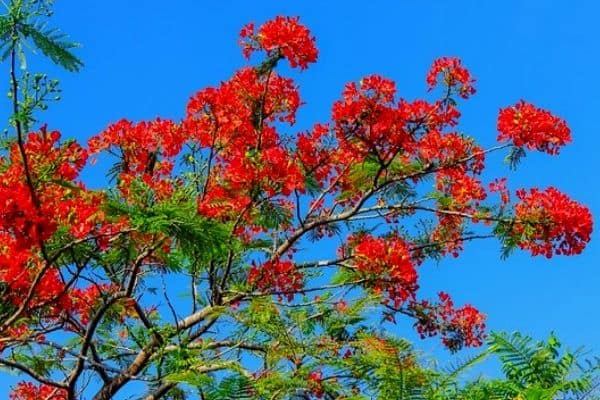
(450, 149)
(314, 154)
(526, 125)
(367, 120)
(459, 327)
(282, 34)
(277, 276)
(548, 222)
(464, 190)
(28, 391)
(83, 301)
(455, 76)
(387, 264)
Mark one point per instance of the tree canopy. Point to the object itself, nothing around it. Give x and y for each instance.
(192, 273)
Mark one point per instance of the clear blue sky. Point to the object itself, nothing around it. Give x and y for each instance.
(145, 58)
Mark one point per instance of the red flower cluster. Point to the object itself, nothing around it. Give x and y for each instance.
(367, 122)
(462, 193)
(366, 164)
(455, 76)
(83, 301)
(387, 266)
(448, 234)
(19, 217)
(526, 125)
(19, 272)
(66, 161)
(277, 276)
(548, 222)
(314, 155)
(370, 124)
(452, 150)
(460, 327)
(160, 136)
(465, 191)
(283, 35)
(456, 182)
(29, 391)
(247, 155)
(26, 222)
(151, 162)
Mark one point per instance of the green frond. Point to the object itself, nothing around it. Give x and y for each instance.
(516, 352)
(539, 368)
(503, 231)
(271, 215)
(5, 28)
(54, 45)
(178, 219)
(234, 387)
(311, 185)
(483, 389)
(514, 157)
(452, 372)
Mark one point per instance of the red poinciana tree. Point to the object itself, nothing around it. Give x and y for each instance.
(220, 206)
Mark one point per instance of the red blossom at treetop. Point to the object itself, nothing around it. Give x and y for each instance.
(455, 76)
(282, 34)
(537, 129)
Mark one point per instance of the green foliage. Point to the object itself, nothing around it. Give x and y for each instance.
(5, 308)
(177, 218)
(234, 387)
(54, 45)
(26, 20)
(389, 368)
(503, 231)
(322, 343)
(272, 216)
(539, 369)
(24, 26)
(482, 389)
(514, 157)
(41, 362)
(534, 371)
(445, 385)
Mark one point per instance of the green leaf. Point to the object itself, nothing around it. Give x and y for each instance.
(452, 372)
(177, 217)
(5, 28)
(514, 157)
(190, 377)
(231, 387)
(54, 45)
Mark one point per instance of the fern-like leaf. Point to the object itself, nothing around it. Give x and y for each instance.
(516, 352)
(54, 45)
(5, 28)
(514, 157)
(452, 372)
(235, 387)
